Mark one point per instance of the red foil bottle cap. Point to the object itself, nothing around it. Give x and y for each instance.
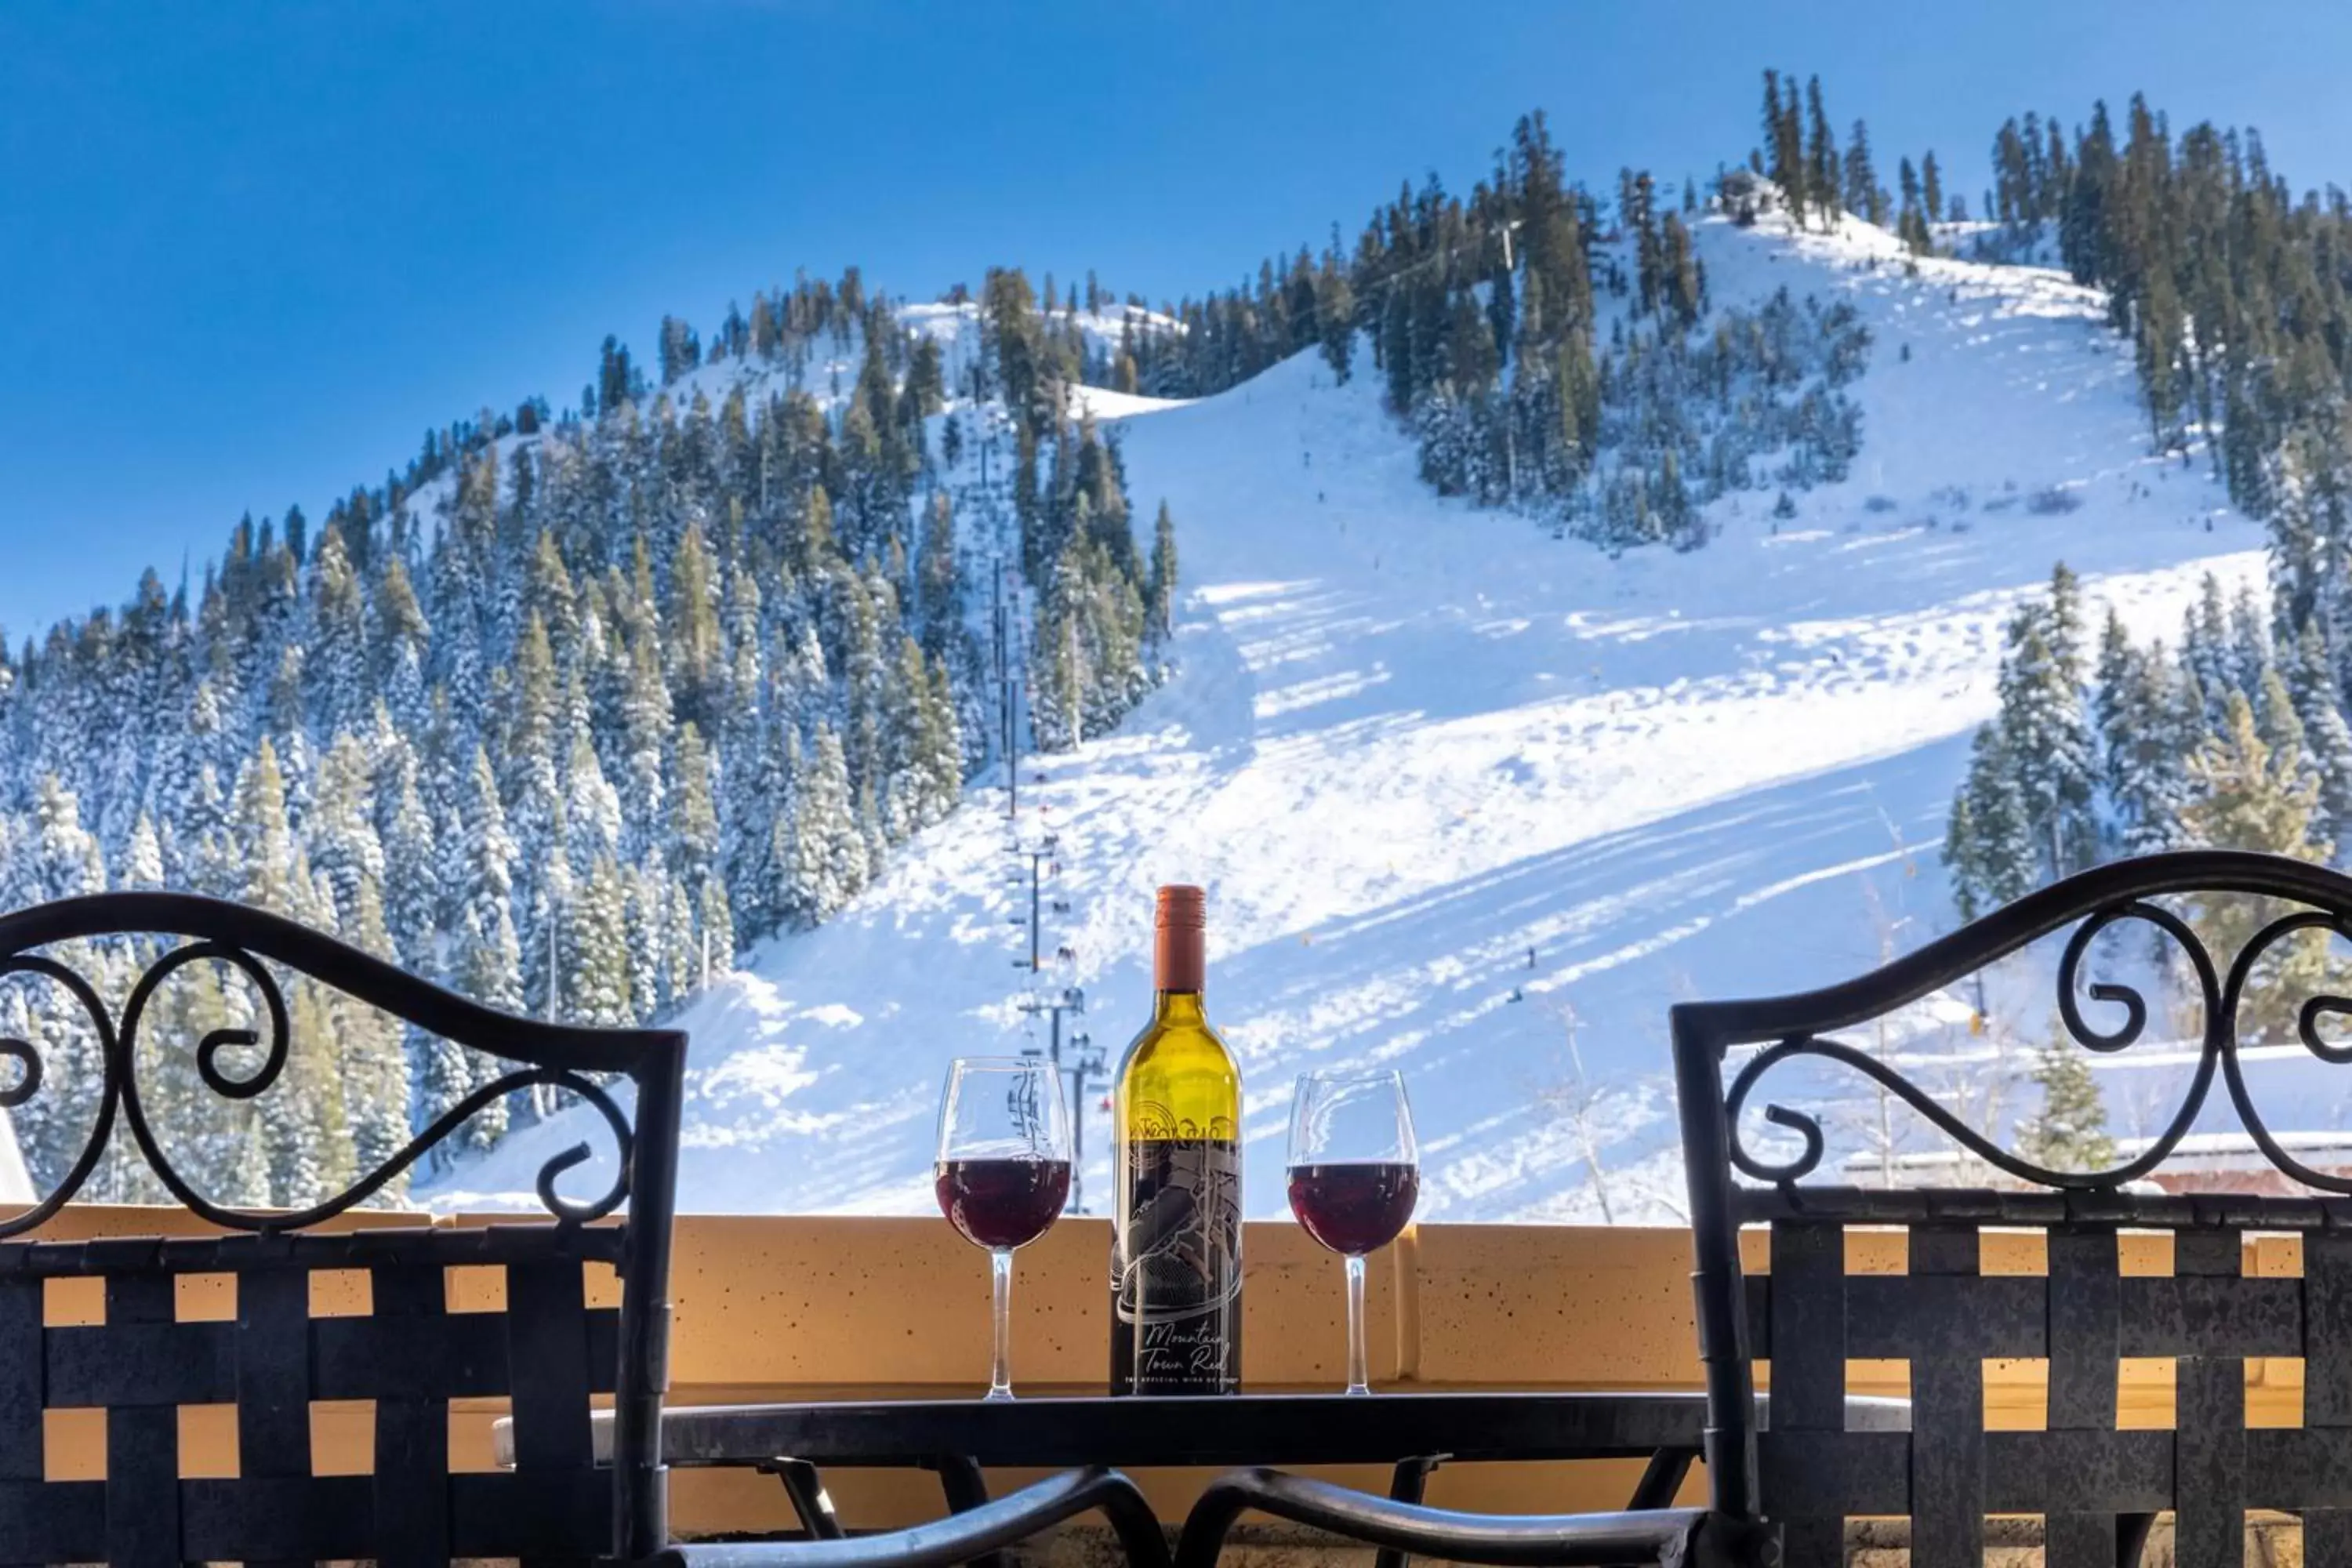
(1177, 959)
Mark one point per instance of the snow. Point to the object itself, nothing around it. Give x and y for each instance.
(1410, 744)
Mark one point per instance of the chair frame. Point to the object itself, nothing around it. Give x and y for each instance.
(2097, 1488)
(271, 1253)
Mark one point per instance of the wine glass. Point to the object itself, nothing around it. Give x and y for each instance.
(1355, 1173)
(1003, 1170)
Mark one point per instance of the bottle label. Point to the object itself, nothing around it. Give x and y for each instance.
(1176, 1266)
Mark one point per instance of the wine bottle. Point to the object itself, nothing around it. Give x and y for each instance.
(1176, 1224)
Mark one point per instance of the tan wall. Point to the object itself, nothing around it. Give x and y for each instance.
(823, 1308)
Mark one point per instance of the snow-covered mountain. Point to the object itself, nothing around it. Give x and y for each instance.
(1475, 802)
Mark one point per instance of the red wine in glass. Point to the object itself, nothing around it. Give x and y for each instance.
(1355, 1207)
(1002, 1203)
(1001, 1173)
(1355, 1173)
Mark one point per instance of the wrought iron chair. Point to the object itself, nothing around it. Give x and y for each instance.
(1786, 1493)
(548, 1351)
(2097, 1488)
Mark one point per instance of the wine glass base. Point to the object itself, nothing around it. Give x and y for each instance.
(997, 1396)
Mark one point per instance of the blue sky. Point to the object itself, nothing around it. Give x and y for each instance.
(252, 251)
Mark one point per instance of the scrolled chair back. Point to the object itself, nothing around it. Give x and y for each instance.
(2095, 1485)
(548, 1351)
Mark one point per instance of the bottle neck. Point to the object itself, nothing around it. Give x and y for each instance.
(1177, 960)
(1177, 1007)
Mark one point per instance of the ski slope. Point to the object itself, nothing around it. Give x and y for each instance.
(1466, 796)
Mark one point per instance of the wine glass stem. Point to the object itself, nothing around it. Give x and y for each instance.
(1000, 1360)
(1357, 1381)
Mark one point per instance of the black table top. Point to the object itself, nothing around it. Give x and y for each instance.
(1237, 1429)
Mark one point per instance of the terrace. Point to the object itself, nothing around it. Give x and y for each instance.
(2069, 1367)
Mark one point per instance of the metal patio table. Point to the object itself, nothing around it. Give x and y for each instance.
(1412, 1433)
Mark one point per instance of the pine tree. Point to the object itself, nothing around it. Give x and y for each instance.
(940, 758)
(142, 859)
(480, 877)
(2249, 798)
(694, 813)
(714, 922)
(1161, 580)
(338, 662)
(598, 983)
(374, 1065)
(340, 833)
(307, 1134)
(1335, 314)
(65, 862)
(1784, 145)
(2070, 1131)
(828, 856)
(2005, 861)
(1822, 179)
(2205, 650)
(212, 1141)
(2140, 712)
(1864, 195)
(2328, 738)
(411, 866)
(1963, 857)
(265, 842)
(938, 593)
(2279, 725)
(2048, 737)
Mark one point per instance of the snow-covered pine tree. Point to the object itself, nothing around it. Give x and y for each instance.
(304, 1128)
(1161, 581)
(2205, 650)
(336, 666)
(681, 947)
(694, 813)
(828, 863)
(597, 986)
(2151, 719)
(2280, 725)
(341, 834)
(2048, 739)
(440, 1075)
(1962, 856)
(479, 876)
(372, 1060)
(265, 842)
(412, 894)
(142, 859)
(645, 912)
(2327, 739)
(2002, 851)
(2069, 1131)
(2252, 797)
(62, 860)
